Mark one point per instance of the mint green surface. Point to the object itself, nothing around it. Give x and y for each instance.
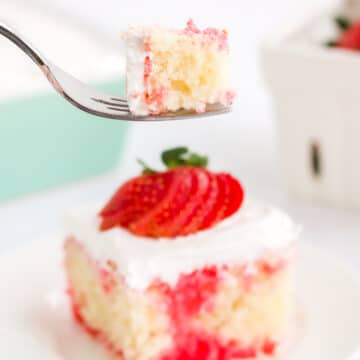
(44, 142)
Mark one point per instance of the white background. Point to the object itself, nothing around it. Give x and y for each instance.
(243, 142)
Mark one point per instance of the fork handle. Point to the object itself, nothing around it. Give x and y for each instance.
(25, 46)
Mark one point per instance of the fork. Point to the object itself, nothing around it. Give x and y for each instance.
(90, 100)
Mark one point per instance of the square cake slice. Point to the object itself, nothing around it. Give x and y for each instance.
(222, 294)
(169, 70)
(176, 267)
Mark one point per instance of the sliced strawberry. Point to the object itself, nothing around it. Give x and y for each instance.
(157, 222)
(152, 224)
(229, 200)
(223, 198)
(205, 206)
(154, 186)
(134, 199)
(180, 201)
(217, 211)
(236, 196)
(177, 227)
(350, 38)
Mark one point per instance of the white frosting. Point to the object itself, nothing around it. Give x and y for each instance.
(247, 235)
(135, 60)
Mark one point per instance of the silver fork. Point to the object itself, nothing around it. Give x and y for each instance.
(88, 99)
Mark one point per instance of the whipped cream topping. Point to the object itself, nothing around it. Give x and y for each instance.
(135, 62)
(244, 237)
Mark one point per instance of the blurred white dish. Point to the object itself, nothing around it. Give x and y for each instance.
(35, 318)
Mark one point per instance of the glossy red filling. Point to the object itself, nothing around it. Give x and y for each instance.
(94, 333)
(194, 292)
(75, 307)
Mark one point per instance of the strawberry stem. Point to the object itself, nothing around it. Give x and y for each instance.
(146, 169)
(330, 43)
(181, 156)
(342, 22)
(172, 158)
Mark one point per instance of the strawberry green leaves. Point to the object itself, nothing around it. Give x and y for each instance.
(175, 157)
(181, 156)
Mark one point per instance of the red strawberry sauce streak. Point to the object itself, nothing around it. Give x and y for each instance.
(193, 292)
(154, 94)
(94, 333)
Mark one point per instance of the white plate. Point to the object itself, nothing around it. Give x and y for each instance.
(36, 323)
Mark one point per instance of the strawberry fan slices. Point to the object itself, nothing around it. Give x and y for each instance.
(349, 34)
(175, 266)
(177, 202)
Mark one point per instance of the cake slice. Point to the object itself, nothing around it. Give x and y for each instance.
(177, 267)
(169, 70)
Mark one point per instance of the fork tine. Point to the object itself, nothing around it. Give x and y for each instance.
(120, 105)
(119, 99)
(124, 110)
